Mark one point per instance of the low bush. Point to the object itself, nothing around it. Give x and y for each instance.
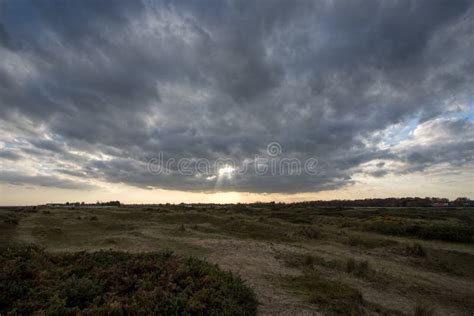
(334, 297)
(310, 232)
(368, 242)
(253, 230)
(9, 219)
(415, 250)
(423, 309)
(109, 282)
(358, 268)
(447, 232)
(452, 262)
(308, 261)
(351, 265)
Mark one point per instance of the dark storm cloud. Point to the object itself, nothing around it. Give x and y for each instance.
(17, 178)
(4, 37)
(102, 87)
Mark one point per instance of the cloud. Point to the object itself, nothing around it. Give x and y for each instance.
(218, 79)
(4, 37)
(439, 141)
(10, 155)
(18, 178)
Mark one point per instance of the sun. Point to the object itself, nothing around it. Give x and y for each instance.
(226, 171)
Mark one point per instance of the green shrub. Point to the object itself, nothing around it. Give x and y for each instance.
(110, 282)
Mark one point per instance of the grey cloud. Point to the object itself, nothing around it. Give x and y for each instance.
(49, 145)
(74, 173)
(17, 178)
(214, 79)
(445, 141)
(4, 37)
(9, 155)
(379, 173)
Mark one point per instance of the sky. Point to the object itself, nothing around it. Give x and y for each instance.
(235, 101)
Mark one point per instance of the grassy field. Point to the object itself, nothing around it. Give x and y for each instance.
(297, 259)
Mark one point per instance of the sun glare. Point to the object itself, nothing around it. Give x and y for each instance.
(226, 171)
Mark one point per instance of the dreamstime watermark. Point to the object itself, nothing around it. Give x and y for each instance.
(272, 163)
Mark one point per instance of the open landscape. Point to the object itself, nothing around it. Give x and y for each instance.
(295, 258)
(237, 157)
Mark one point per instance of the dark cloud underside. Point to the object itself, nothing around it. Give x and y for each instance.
(97, 88)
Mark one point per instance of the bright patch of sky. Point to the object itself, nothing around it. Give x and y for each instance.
(398, 132)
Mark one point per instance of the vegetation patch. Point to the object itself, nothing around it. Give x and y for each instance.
(9, 219)
(301, 236)
(438, 260)
(423, 309)
(415, 250)
(358, 268)
(109, 282)
(445, 232)
(368, 242)
(309, 232)
(334, 297)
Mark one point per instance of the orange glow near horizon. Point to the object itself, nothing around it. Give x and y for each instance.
(390, 186)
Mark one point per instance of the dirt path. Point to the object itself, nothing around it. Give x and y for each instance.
(255, 262)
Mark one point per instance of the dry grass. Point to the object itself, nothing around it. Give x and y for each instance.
(270, 245)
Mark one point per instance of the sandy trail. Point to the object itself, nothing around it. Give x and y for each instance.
(255, 262)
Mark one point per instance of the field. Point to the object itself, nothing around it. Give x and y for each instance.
(297, 259)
